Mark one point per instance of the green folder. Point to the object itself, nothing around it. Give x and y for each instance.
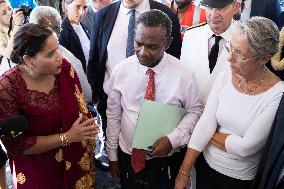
(155, 120)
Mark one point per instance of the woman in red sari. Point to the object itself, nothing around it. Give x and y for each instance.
(55, 151)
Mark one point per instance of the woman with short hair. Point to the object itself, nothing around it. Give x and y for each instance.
(239, 112)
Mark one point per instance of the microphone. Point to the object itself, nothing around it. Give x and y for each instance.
(13, 126)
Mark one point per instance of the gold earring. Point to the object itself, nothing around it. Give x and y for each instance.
(30, 65)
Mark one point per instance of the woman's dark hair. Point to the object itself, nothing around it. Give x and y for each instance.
(29, 40)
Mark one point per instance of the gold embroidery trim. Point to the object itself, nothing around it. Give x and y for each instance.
(72, 72)
(68, 165)
(85, 162)
(85, 182)
(59, 155)
(21, 178)
(81, 101)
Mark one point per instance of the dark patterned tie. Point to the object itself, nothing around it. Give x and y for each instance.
(138, 156)
(131, 34)
(213, 56)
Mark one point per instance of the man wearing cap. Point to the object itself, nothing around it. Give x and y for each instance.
(203, 46)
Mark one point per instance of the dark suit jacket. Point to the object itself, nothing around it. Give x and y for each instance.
(70, 40)
(272, 159)
(102, 28)
(267, 8)
(88, 19)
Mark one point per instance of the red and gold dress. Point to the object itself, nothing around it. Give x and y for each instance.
(61, 168)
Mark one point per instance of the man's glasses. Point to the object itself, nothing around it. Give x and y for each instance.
(236, 53)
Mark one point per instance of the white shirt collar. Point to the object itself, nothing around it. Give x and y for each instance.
(142, 7)
(158, 68)
(94, 9)
(247, 4)
(226, 35)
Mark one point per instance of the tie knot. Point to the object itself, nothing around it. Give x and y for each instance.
(132, 11)
(217, 38)
(150, 72)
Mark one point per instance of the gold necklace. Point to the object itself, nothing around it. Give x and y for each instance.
(249, 91)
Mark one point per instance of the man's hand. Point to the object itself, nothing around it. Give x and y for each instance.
(114, 170)
(161, 147)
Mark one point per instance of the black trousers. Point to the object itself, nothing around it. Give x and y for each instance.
(102, 106)
(159, 173)
(3, 157)
(208, 178)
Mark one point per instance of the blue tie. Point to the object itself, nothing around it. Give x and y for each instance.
(131, 34)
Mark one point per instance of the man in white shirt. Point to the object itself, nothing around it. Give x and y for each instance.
(109, 43)
(174, 84)
(199, 41)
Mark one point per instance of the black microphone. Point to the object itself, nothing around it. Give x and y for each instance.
(13, 126)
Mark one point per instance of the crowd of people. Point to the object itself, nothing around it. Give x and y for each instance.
(80, 71)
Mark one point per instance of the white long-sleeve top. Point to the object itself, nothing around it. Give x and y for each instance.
(77, 65)
(175, 85)
(247, 118)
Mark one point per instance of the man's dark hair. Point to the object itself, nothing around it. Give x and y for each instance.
(156, 18)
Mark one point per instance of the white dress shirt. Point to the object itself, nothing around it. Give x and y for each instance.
(116, 48)
(247, 118)
(226, 36)
(247, 9)
(84, 40)
(128, 85)
(77, 65)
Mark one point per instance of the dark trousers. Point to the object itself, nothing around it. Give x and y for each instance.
(208, 178)
(102, 106)
(159, 173)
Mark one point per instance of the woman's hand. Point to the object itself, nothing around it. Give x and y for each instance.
(86, 130)
(219, 140)
(18, 17)
(182, 181)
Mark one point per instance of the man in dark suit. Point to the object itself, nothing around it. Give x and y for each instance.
(266, 8)
(270, 173)
(93, 7)
(109, 42)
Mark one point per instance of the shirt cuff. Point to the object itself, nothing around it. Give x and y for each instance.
(174, 139)
(112, 155)
(228, 144)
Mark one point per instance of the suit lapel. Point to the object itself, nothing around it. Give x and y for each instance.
(256, 7)
(109, 19)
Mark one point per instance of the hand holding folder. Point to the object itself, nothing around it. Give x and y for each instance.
(155, 120)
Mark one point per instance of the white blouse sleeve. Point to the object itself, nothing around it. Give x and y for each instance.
(207, 124)
(256, 135)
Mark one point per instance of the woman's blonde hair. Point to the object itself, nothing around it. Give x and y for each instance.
(4, 36)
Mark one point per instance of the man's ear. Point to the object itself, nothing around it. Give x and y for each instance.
(168, 42)
(237, 7)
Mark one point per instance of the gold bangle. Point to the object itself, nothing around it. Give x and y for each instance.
(184, 173)
(61, 139)
(64, 139)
